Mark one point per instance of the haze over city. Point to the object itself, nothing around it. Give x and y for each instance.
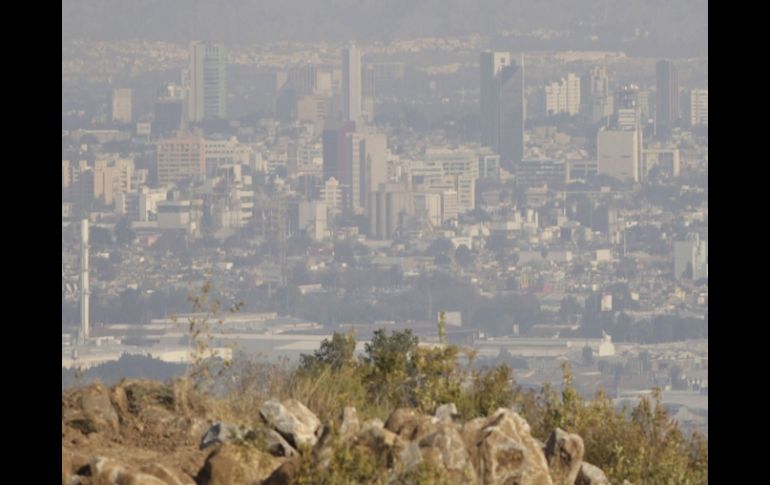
(528, 180)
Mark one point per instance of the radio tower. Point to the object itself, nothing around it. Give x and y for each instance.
(84, 281)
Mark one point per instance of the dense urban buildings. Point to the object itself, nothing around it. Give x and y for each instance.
(336, 187)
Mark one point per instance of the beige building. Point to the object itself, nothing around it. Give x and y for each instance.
(667, 158)
(699, 107)
(121, 105)
(66, 176)
(180, 157)
(618, 154)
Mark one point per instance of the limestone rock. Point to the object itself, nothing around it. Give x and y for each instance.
(284, 474)
(220, 433)
(445, 447)
(509, 454)
(564, 452)
(164, 473)
(229, 464)
(446, 412)
(404, 421)
(108, 471)
(293, 421)
(276, 445)
(591, 475)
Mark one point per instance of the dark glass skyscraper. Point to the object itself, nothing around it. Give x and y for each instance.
(667, 99)
(502, 106)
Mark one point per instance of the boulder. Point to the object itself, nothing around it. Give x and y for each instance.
(293, 421)
(410, 456)
(166, 474)
(404, 421)
(445, 448)
(471, 434)
(276, 445)
(94, 412)
(446, 412)
(284, 474)
(230, 463)
(374, 436)
(591, 475)
(109, 471)
(220, 433)
(564, 452)
(509, 454)
(501, 458)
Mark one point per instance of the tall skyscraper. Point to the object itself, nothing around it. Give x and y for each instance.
(667, 98)
(595, 97)
(337, 158)
(121, 105)
(351, 84)
(208, 81)
(502, 105)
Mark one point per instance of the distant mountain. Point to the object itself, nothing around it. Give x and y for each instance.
(667, 27)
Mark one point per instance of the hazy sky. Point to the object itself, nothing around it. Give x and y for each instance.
(677, 28)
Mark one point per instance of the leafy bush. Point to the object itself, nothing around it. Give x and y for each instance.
(641, 445)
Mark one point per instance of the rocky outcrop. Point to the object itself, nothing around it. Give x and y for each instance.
(145, 433)
(293, 421)
(564, 452)
(91, 411)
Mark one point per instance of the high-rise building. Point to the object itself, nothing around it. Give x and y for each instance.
(388, 207)
(502, 105)
(563, 96)
(555, 98)
(179, 158)
(699, 107)
(337, 158)
(595, 97)
(628, 116)
(351, 84)
(331, 195)
(368, 93)
(373, 153)
(628, 109)
(208, 81)
(618, 154)
(572, 84)
(121, 105)
(667, 98)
